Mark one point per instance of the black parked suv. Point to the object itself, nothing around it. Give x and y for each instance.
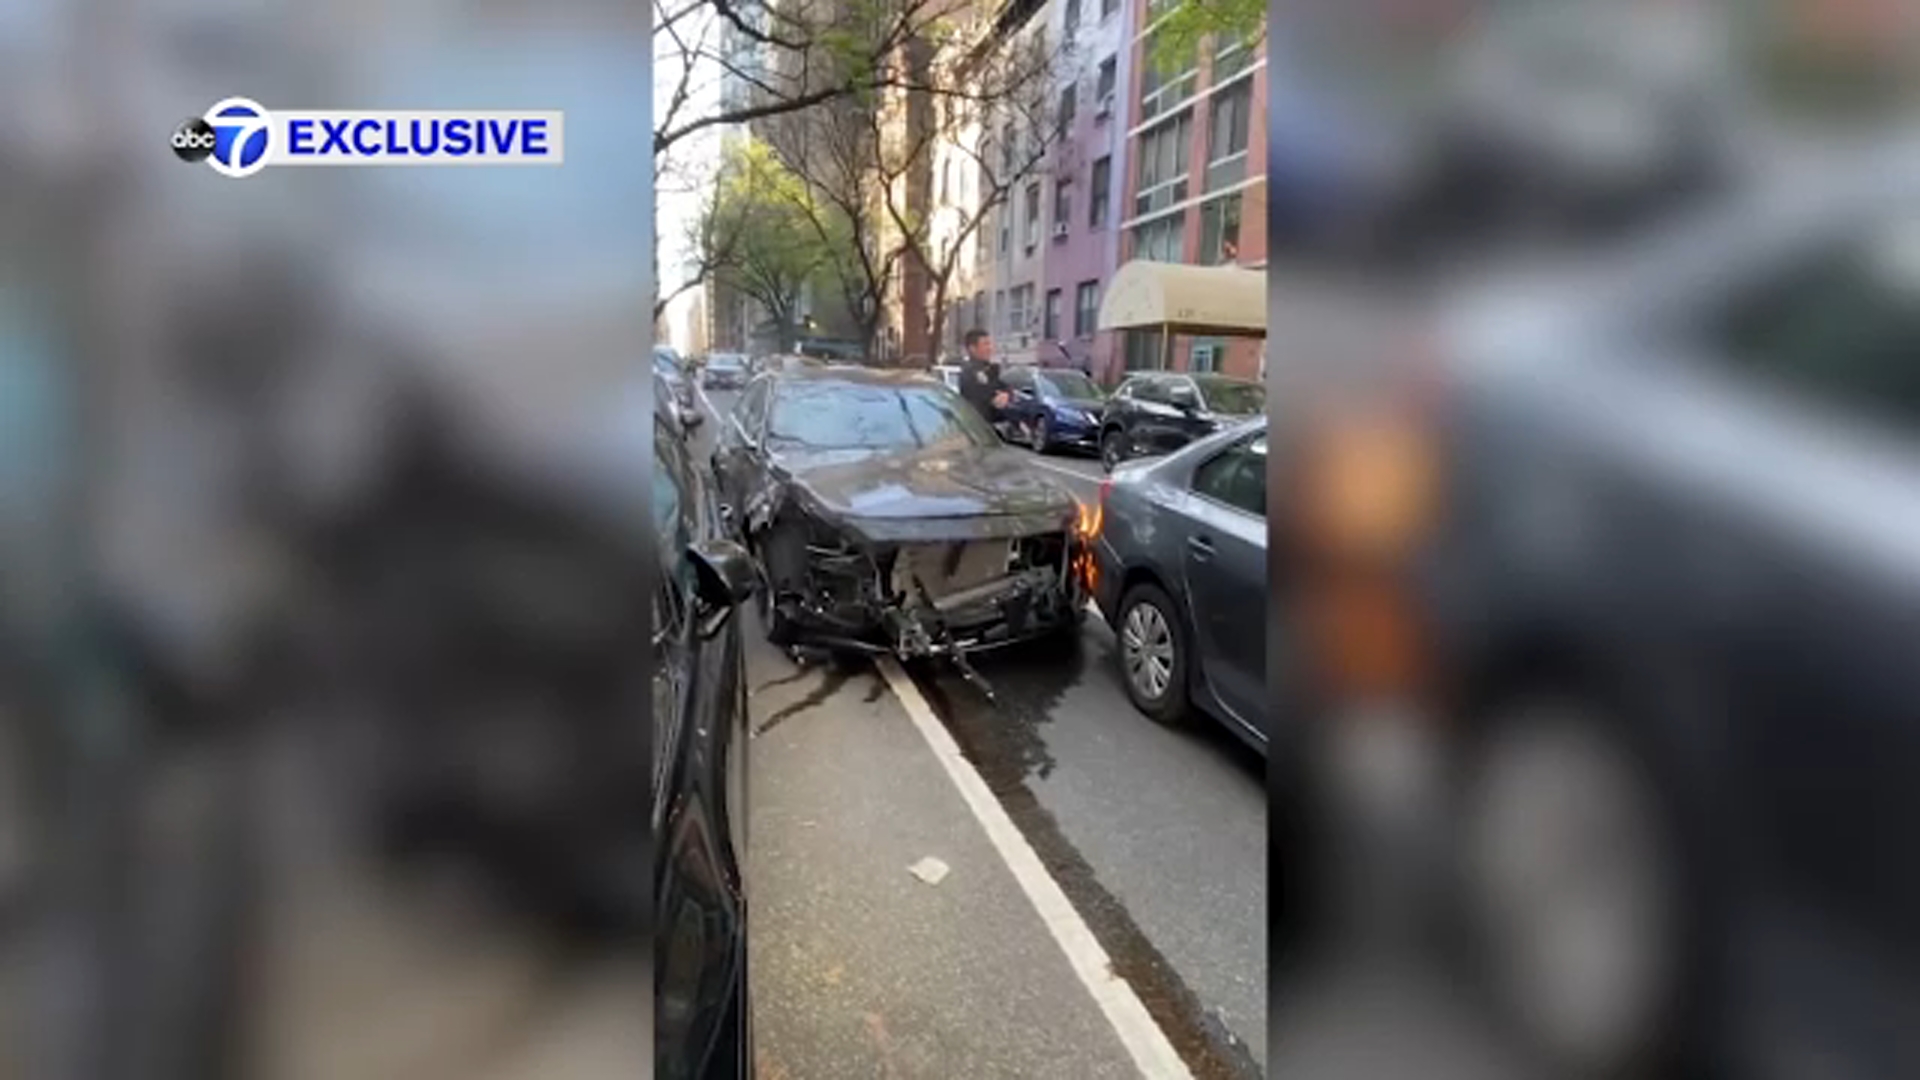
(1159, 412)
(699, 810)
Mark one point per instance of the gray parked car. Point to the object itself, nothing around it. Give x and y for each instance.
(1180, 573)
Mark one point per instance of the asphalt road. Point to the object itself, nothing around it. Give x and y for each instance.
(1157, 838)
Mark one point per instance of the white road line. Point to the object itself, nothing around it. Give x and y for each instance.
(1149, 1047)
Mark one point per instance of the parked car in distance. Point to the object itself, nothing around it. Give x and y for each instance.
(1052, 408)
(1664, 561)
(1179, 548)
(702, 1017)
(949, 374)
(888, 517)
(1160, 412)
(668, 366)
(724, 371)
(663, 393)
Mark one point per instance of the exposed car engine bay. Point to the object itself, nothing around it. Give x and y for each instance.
(916, 589)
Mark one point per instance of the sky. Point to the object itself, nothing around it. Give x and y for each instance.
(676, 193)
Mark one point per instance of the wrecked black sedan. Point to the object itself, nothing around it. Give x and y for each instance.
(886, 516)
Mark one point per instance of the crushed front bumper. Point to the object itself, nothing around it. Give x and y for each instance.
(906, 608)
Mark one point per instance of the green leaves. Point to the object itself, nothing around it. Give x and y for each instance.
(1178, 37)
(756, 234)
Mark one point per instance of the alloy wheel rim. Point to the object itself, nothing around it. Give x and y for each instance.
(1146, 644)
(1572, 881)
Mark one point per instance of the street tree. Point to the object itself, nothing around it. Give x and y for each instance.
(991, 116)
(787, 55)
(759, 235)
(1181, 27)
(833, 151)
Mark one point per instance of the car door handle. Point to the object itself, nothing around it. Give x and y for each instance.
(1201, 546)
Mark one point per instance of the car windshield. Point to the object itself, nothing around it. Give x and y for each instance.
(1234, 397)
(1071, 385)
(731, 363)
(664, 364)
(855, 416)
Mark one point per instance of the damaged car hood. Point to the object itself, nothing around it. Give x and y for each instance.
(933, 494)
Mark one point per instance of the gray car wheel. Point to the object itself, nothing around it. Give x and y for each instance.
(1576, 895)
(1153, 654)
(1040, 435)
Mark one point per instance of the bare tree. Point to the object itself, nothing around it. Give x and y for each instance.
(1010, 81)
(834, 151)
(789, 56)
(764, 243)
(713, 238)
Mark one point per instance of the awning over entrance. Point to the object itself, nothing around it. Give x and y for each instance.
(1223, 300)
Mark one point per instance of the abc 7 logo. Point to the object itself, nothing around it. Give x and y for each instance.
(193, 141)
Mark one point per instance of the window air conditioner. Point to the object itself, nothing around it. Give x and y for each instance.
(1103, 108)
(1059, 229)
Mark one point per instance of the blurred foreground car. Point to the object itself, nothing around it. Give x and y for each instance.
(699, 791)
(1052, 408)
(667, 365)
(1558, 116)
(1574, 112)
(1180, 573)
(1160, 412)
(1664, 543)
(888, 517)
(724, 371)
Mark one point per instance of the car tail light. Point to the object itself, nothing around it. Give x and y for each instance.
(1368, 500)
(1370, 468)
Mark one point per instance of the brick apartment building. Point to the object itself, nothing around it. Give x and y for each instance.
(1195, 191)
(1081, 189)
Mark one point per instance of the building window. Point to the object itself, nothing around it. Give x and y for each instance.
(1220, 231)
(1227, 124)
(1063, 202)
(1160, 239)
(1164, 86)
(1086, 308)
(1009, 141)
(1143, 350)
(1230, 58)
(1162, 179)
(1104, 82)
(1073, 15)
(1206, 355)
(1005, 213)
(1107, 8)
(1033, 216)
(1019, 309)
(1069, 104)
(1101, 192)
(999, 310)
(1053, 315)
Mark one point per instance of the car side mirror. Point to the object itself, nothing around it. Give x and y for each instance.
(724, 578)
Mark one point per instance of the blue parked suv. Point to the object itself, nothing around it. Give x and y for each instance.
(1052, 408)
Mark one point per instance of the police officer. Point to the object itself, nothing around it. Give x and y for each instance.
(980, 377)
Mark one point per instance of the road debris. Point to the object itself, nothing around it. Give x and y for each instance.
(930, 870)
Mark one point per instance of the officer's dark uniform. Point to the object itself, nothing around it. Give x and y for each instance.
(979, 382)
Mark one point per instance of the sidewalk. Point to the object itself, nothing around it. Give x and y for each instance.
(860, 969)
